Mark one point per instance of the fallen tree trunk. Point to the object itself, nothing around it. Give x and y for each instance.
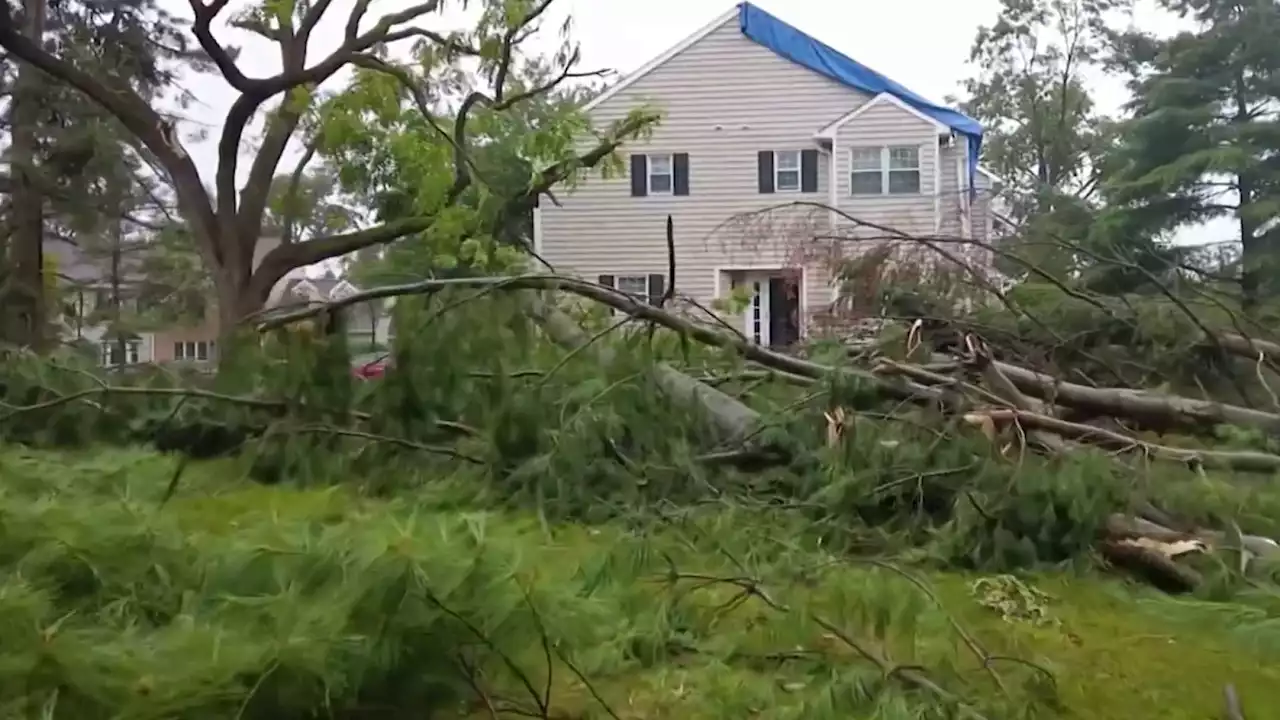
(1140, 405)
(1249, 347)
(1244, 461)
(733, 420)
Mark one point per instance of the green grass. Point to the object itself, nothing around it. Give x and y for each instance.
(239, 600)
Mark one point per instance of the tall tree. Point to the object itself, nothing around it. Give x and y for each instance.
(67, 158)
(22, 290)
(1204, 140)
(228, 222)
(1044, 133)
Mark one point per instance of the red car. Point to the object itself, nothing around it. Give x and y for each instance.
(371, 370)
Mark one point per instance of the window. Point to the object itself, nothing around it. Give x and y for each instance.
(112, 354)
(197, 350)
(904, 170)
(666, 174)
(866, 176)
(660, 175)
(634, 285)
(885, 170)
(786, 171)
(642, 287)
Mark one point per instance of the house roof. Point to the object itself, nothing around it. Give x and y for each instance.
(790, 43)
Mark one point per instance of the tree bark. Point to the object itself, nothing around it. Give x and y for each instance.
(732, 420)
(1157, 409)
(23, 300)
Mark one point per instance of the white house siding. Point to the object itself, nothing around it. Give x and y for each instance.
(725, 99)
(881, 125)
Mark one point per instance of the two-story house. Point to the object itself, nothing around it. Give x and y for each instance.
(773, 150)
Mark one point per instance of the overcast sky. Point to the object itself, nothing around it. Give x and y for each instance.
(923, 44)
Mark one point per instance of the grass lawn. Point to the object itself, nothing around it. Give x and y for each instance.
(242, 600)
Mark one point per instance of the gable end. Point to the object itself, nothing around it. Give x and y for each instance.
(829, 132)
(662, 59)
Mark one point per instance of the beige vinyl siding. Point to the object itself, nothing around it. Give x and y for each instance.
(982, 207)
(725, 99)
(952, 162)
(885, 124)
(954, 176)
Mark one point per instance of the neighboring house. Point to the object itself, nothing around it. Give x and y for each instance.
(89, 284)
(89, 287)
(756, 115)
(197, 342)
(368, 324)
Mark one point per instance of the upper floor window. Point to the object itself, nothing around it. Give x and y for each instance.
(660, 174)
(787, 171)
(891, 170)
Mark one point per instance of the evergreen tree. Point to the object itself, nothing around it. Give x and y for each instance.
(70, 168)
(1203, 140)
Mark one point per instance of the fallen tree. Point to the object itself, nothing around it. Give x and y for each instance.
(1005, 401)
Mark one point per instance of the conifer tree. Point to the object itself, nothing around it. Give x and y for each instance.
(1204, 138)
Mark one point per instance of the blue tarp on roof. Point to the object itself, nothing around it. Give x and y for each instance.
(788, 42)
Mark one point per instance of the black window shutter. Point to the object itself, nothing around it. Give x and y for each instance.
(657, 286)
(639, 175)
(809, 171)
(605, 280)
(764, 166)
(680, 169)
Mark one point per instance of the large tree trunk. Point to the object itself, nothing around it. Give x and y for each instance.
(733, 420)
(23, 302)
(238, 300)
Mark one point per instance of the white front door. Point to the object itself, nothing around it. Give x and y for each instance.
(756, 318)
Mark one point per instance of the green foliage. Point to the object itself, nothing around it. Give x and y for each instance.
(267, 602)
(1044, 135)
(1204, 115)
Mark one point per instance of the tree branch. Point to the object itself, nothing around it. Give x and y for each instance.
(283, 258)
(149, 128)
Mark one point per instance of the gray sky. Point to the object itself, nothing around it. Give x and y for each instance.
(923, 44)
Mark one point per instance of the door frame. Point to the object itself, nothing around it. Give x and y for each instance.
(720, 275)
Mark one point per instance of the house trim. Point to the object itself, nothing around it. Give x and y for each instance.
(537, 230)
(720, 270)
(962, 171)
(994, 178)
(937, 188)
(833, 184)
(662, 59)
(829, 132)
